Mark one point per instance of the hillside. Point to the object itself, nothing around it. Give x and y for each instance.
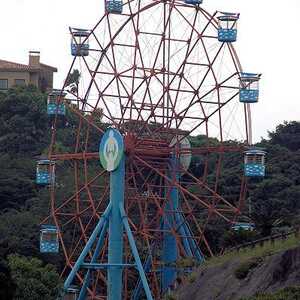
(244, 276)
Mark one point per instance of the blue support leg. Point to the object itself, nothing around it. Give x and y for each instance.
(87, 248)
(147, 267)
(115, 244)
(184, 235)
(193, 245)
(135, 253)
(82, 295)
(170, 251)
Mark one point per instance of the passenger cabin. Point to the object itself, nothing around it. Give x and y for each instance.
(249, 87)
(80, 42)
(49, 239)
(227, 30)
(45, 172)
(193, 2)
(243, 226)
(55, 103)
(114, 6)
(254, 163)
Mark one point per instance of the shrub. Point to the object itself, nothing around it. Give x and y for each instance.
(33, 280)
(192, 277)
(244, 268)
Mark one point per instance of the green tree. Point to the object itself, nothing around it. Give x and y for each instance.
(287, 135)
(33, 280)
(7, 286)
(73, 79)
(23, 121)
(19, 233)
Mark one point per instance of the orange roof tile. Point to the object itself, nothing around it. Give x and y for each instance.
(12, 66)
(49, 67)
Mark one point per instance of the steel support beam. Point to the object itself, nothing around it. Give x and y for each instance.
(115, 244)
(135, 253)
(170, 250)
(82, 295)
(87, 248)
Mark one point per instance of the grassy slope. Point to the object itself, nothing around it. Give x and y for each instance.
(259, 251)
(247, 254)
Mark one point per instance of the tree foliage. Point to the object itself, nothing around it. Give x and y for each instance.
(7, 286)
(73, 78)
(287, 135)
(23, 121)
(33, 280)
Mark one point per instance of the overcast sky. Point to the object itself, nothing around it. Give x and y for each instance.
(268, 42)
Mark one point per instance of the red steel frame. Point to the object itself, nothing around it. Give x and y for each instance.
(148, 125)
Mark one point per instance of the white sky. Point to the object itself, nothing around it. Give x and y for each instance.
(268, 42)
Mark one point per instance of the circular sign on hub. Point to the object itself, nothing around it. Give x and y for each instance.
(111, 149)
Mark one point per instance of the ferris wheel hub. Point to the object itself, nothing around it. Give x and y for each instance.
(130, 141)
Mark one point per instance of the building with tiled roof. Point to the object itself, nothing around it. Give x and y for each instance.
(35, 73)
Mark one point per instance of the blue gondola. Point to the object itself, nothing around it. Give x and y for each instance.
(227, 31)
(45, 172)
(193, 2)
(254, 163)
(80, 43)
(55, 103)
(243, 226)
(114, 6)
(49, 239)
(249, 87)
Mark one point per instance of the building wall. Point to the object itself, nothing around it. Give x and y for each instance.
(42, 79)
(12, 76)
(45, 79)
(34, 79)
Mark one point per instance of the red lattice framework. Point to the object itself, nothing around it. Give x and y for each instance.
(157, 73)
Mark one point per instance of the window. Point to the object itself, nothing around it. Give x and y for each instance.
(52, 99)
(50, 237)
(43, 168)
(20, 82)
(3, 84)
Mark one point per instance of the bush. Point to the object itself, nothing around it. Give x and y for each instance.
(234, 238)
(187, 262)
(192, 277)
(244, 268)
(33, 280)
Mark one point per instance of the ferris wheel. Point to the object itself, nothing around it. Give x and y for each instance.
(165, 77)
